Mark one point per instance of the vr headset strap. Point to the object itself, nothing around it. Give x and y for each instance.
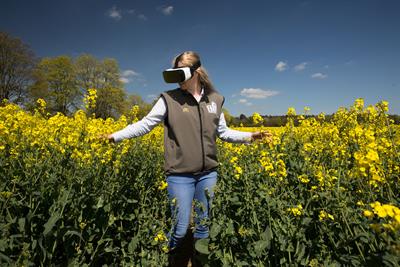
(195, 66)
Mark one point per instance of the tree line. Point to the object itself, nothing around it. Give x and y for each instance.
(63, 82)
(280, 120)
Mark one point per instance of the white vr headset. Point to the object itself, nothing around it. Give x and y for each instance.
(177, 75)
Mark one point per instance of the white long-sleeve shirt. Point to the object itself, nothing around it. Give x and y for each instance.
(158, 114)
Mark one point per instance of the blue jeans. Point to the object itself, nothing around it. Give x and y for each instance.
(182, 190)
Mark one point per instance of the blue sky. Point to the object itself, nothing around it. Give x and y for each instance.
(263, 56)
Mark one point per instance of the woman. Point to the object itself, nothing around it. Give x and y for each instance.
(193, 118)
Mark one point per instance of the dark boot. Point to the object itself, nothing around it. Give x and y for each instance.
(195, 256)
(176, 258)
(181, 254)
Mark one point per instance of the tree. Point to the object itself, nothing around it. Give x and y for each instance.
(104, 76)
(55, 82)
(39, 89)
(111, 74)
(92, 73)
(89, 72)
(228, 116)
(110, 102)
(395, 118)
(16, 64)
(144, 107)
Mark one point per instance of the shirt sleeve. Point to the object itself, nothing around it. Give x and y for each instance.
(232, 136)
(146, 124)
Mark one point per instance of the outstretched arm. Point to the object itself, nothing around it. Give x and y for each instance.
(235, 136)
(145, 125)
(230, 135)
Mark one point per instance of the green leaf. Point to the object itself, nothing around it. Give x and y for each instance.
(260, 246)
(202, 246)
(107, 207)
(108, 249)
(214, 231)
(235, 200)
(21, 224)
(100, 202)
(230, 230)
(267, 237)
(133, 244)
(73, 233)
(3, 244)
(50, 224)
(306, 221)
(242, 263)
(5, 258)
(300, 250)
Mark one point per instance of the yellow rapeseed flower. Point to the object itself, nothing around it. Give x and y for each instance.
(6, 194)
(243, 231)
(296, 211)
(256, 118)
(160, 237)
(325, 215)
(41, 102)
(165, 248)
(360, 203)
(233, 159)
(303, 178)
(82, 225)
(359, 104)
(291, 111)
(90, 99)
(163, 185)
(368, 214)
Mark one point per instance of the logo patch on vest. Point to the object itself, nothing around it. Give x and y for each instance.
(185, 109)
(212, 108)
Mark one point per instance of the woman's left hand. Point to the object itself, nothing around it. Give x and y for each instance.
(108, 137)
(261, 135)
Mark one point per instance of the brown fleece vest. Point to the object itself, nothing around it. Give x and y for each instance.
(190, 132)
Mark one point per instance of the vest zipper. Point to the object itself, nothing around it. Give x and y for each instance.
(201, 136)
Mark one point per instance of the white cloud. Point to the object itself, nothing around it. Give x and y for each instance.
(301, 66)
(257, 93)
(167, 10)
(127, 76)
(244, 101)
(281, 66)
(319, 75)
(142, 17)
(124, 80)
(129, 73)
(114, 13)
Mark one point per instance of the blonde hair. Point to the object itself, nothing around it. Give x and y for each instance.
(188, 59)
